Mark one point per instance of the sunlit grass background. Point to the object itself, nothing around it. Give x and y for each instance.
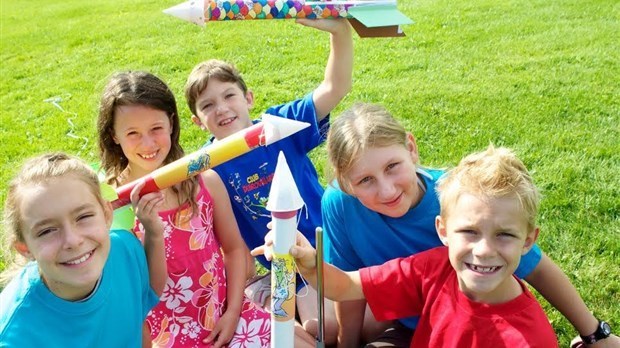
(541, 77)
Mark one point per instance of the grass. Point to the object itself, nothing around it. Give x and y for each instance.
(538, 76)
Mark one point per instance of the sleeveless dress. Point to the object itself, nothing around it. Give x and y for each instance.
(194, 297)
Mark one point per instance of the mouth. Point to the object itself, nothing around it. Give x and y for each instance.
(148, 156)
(80, 259)
(394, 201)
(483, 269)
(227, 121)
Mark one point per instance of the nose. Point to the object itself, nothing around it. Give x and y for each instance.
(221, 108)
(483, 248)
(147, 141)
(386, 189)
(73, 237)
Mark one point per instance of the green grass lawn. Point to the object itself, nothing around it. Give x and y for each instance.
(538, 76)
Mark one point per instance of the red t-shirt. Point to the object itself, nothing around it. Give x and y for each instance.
(425, 284)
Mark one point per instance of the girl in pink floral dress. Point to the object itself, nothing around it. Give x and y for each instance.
(202, 304)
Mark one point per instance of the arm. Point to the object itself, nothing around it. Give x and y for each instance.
(551, 282)
(235, 257)
(146, 209)
(339, 69)
(350, 315)
(339, 285)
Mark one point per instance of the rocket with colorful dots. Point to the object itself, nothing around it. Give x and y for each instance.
(369, 18)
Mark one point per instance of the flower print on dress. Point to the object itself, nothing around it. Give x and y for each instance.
(174, 293)
(255, 333)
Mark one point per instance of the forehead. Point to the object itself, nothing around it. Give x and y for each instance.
(54, 199)
(477, 209)
(374, 159)
(127, 116)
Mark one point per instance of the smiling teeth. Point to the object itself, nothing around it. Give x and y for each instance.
(484, 269)
(225, 122)
(80, 260)
(149, 156)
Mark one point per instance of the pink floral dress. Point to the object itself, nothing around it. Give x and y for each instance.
(194, 297)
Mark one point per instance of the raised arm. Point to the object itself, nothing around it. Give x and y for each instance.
(235, 251)
(146, 209)
(339, 69)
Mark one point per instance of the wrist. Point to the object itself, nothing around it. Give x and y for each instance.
(601, 332)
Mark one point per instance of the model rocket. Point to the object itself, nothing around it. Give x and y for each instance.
(284, 203)
(370, 18)
(268, 131)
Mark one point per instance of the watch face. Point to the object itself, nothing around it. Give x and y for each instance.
(605, 328)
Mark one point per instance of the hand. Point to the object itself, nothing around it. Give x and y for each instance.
(302, 251)
(612, 341)
(147, 208)
(329, 25)
(223, 330)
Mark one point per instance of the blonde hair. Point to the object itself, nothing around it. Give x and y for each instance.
(38, 170)
(198, 79)
(360, 127)
(493, 173)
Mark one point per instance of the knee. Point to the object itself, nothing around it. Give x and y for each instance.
(330, 331)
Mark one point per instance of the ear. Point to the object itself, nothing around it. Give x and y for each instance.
(23, 250)
(249, 98)
(412, 147)
(197, 121)
(440, 226)
(530, 239)
(114, 138)
(108, 213)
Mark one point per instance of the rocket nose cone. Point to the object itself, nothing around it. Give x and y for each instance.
(191, 11)
(277, 128)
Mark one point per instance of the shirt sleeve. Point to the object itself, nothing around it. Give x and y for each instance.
(393, 290)
(338, 249)
(529, 262)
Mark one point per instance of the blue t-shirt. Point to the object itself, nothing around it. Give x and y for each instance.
(248, 177)
(357, 237)
(32, 316)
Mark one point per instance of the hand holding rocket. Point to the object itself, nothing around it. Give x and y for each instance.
(268, 131)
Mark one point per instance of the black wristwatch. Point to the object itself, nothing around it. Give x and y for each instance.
(603, 330)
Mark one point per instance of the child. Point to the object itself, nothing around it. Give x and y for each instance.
(385, 207)
(85, 286)
(203, 300)
(465, 293)
(220, 103)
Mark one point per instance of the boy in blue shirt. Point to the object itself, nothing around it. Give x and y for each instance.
(220, 103)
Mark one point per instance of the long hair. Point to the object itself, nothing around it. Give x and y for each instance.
(144, 89)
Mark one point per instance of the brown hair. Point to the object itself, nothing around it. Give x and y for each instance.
(145, 89)
(199, 79)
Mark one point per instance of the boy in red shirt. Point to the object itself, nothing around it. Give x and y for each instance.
(465, 292)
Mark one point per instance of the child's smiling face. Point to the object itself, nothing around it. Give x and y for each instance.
(486, 238)
(66, 230)
(223, 108)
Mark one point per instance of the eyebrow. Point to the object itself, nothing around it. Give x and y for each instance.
(75, 211)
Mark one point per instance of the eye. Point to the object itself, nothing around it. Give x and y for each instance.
(507, 235)
(207, 106)
(229, 95)
(364, 180)
(466, 232)
(85, 216)
(392, 165)
(44, 232)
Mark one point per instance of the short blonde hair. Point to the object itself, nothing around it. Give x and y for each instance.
(495, 172)
(199, 79)
(360, 127)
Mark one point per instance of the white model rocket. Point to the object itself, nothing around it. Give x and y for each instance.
(284, 203)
